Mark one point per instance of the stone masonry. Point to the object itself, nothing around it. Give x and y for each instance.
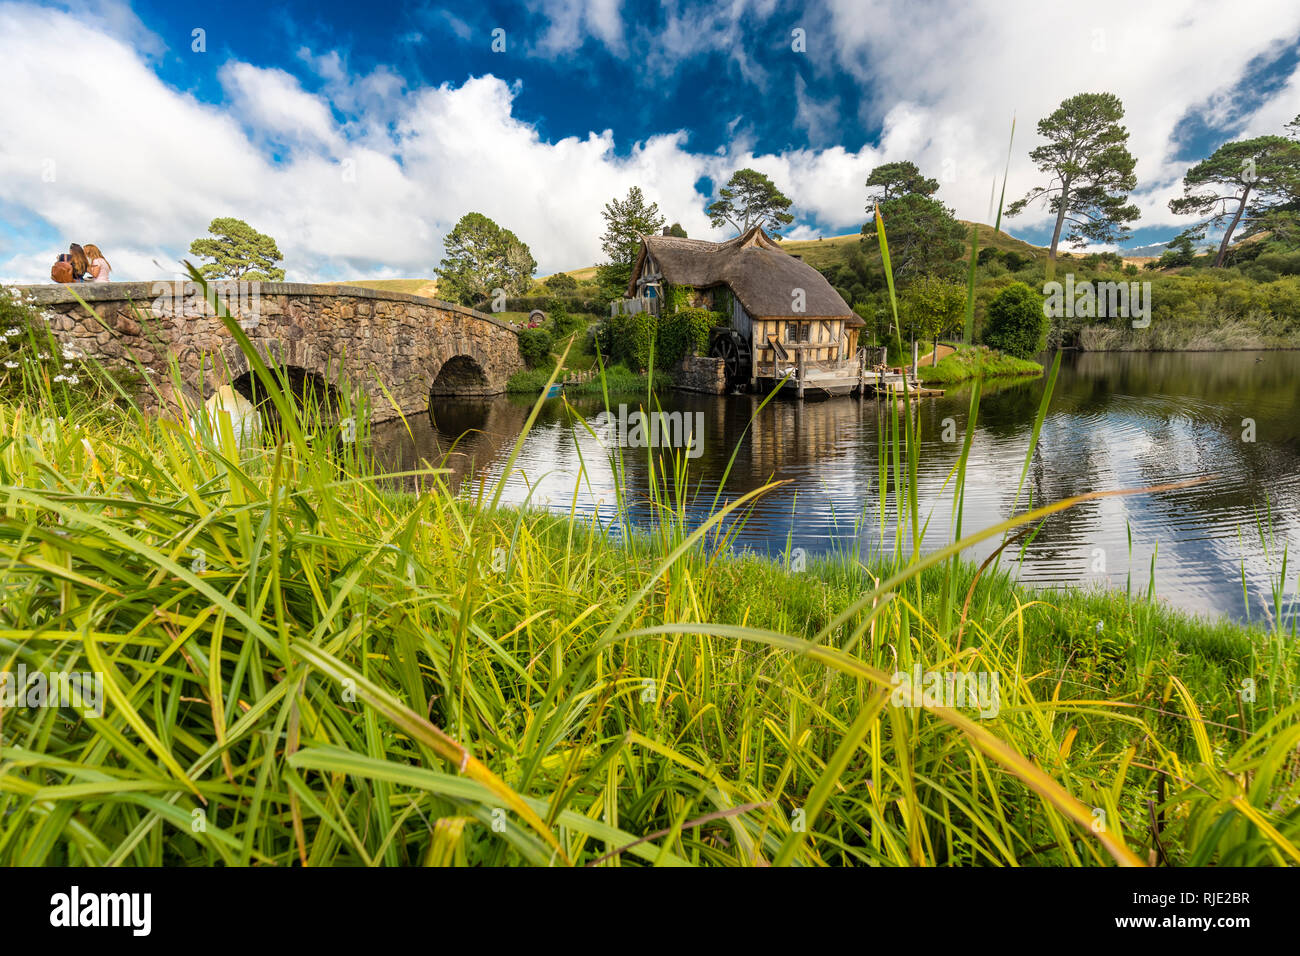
(341, 333)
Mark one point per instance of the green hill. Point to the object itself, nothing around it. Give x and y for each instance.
(825, 252)
(818, 253)
(425, 287)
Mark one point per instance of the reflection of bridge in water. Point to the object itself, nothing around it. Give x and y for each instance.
(465, 436)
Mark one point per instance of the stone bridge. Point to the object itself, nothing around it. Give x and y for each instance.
(401, 350)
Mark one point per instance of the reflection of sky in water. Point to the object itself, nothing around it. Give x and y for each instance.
(1115, 421)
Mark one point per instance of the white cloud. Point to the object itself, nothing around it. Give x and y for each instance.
(947, 83)
(569, 22)
(371, 173)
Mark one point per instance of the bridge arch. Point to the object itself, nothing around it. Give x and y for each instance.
(461, 375)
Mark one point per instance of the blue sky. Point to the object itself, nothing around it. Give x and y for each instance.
(357, 134)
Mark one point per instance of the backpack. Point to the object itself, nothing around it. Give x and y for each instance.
(61, 271)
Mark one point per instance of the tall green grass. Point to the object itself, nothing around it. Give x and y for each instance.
(305, 667)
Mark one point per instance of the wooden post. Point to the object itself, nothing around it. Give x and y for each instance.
(915, 355)
(801, 355)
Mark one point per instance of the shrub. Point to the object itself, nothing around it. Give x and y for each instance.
(1015, 261)
(561, 282)
(534, 346)
(564, 322)
(628, 338)
(1015, 322)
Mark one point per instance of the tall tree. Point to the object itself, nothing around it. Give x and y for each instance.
(1092, 171)
(238, 252)
(898, 179)
(924, 236)
(626, 221)
(1239, 184)
(481, 257)
(750, 199)
(676, 230)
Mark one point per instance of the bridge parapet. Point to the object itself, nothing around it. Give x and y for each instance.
(386, 343)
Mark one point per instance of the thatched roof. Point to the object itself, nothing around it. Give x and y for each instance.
(756, 269)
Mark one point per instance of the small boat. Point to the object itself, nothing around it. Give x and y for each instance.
(555, 391)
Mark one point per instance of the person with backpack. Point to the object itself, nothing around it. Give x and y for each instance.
(71, 266)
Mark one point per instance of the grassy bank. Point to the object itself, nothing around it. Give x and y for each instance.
(1194, 334)
(618, 379)
(312, 670)
(973, 361)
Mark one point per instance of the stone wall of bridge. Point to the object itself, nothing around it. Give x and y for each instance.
(395, 347)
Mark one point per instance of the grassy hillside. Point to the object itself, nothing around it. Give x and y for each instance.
(824, 252)
(426, 287)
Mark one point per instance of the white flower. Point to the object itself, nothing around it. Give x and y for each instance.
(11, 364)
(60, 378)
(72, 379)
(43, 355)
(10, 333)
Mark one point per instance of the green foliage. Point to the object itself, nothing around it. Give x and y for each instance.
(1014, 261)
(930, 308)
(530, 381)
(924, 236)
(684, 332)
(1087, 156)
(968, 362)
(238, 251)
(564, 322)
(750, 199)
(1240, 185)
(723, 302)
(676, 230)
(1180, 252)
(675, 297)
(482, 257)
(1015, 322)
(628, 338)
(893, 180)
(626, 221)
(561, 282)
(534, 346)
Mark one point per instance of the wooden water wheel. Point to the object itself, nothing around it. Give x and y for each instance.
(734, 352)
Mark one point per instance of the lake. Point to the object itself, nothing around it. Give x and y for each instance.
(1116, 420)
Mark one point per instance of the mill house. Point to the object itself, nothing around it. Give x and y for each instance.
(784, 320)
